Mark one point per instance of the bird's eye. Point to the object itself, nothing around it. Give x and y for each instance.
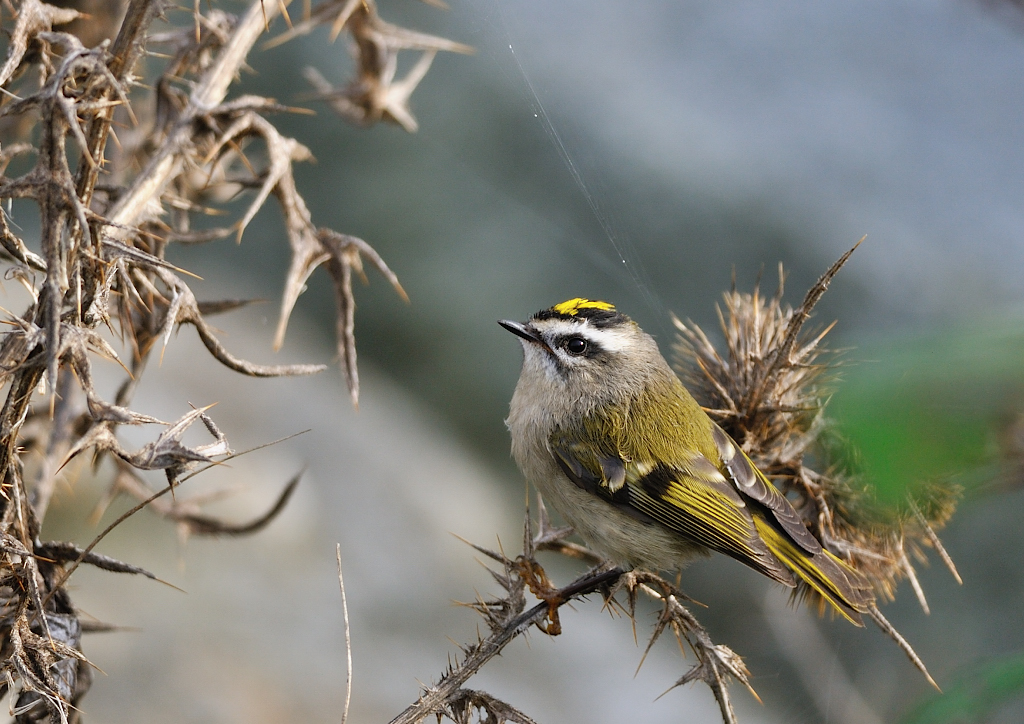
(576, 345)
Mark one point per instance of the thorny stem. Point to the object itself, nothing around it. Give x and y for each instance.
(11, 418)
(211, 91)
(63, 420)
(148, 186)
(97, 274)
(128, 46)
(435, 697)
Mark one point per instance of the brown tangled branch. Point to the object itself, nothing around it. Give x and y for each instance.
(100, 285)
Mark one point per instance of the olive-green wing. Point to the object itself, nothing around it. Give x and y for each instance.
(693, 498)
(730, 507)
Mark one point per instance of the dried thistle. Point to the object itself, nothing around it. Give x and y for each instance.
(375, 94)
(506, 618)
(100, 286)
(769, 390)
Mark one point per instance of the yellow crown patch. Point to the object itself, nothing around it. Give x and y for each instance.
(573, 306)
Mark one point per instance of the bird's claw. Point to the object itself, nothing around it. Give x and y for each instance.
(533, 575)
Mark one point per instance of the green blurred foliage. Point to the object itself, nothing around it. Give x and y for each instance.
(978, 695)
(918, 416)
(931, 408)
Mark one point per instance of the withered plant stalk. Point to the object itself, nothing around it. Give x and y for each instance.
(97, 275)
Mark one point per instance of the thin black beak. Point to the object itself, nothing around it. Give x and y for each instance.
(522, 330)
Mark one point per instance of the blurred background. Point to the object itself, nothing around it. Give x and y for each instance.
(646, 153)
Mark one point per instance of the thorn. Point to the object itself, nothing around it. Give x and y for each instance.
(895, 635)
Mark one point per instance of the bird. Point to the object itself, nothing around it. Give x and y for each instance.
(603, 428)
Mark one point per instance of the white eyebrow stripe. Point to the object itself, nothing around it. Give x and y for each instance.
(609, 338)
(559, 327)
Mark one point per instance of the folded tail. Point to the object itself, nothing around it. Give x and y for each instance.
(824, 576)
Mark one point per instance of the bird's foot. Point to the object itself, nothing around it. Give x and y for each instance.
(533, 575)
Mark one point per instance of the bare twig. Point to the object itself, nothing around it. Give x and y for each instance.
(127, 48)
(348, 642)
(895, 635)
(436, 698)
(34, 17)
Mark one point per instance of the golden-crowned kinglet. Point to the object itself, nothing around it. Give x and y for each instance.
(604, 429)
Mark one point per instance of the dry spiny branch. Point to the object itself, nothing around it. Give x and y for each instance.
(99, 284)
(506, 618)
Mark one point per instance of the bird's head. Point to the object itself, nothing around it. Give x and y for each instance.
(586, 350)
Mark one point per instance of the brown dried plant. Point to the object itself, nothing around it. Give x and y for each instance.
(99, 282)
(768, 390)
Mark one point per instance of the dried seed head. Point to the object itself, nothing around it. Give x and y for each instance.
(768, 389)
